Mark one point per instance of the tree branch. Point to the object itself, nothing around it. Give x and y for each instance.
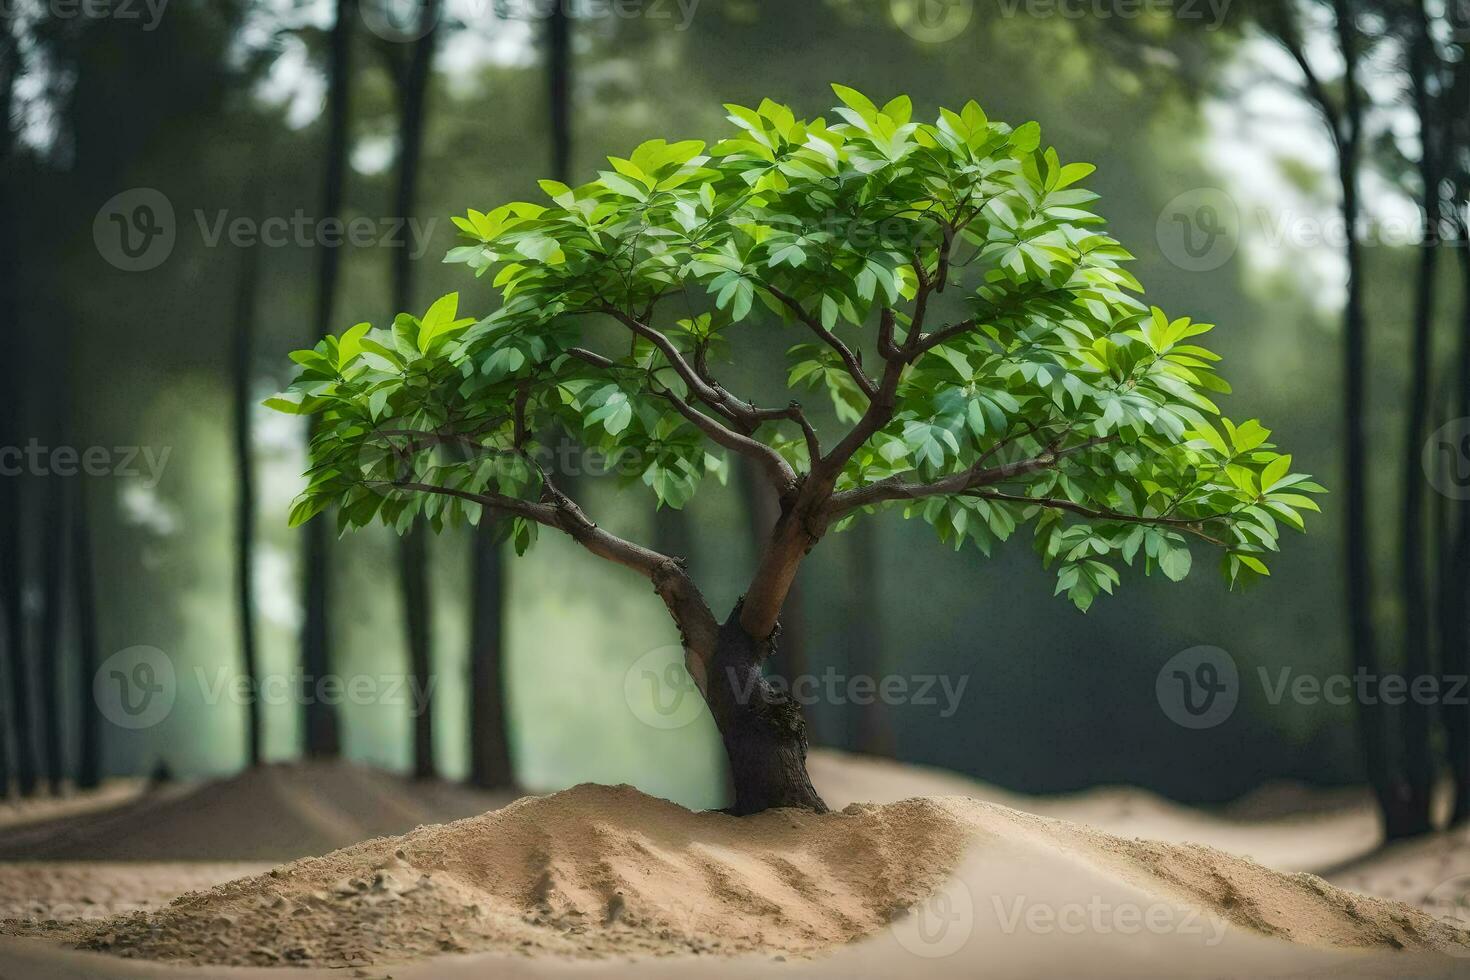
(697, 624)
(1194, 527)
(978, 475)
(853, 361)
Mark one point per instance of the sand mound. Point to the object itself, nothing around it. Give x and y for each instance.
(273, 813)
(590, 871)
(1328, 829)
(595, 871)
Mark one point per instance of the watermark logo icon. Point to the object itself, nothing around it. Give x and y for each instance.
(1199, 230)
(1199, 687)
(1449, 901)
(1446, 459)
(940, 925)
(932, 21)
(399, 21)
(135, 231)
(659, 690)
(135, 688)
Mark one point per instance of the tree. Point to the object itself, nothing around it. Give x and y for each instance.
(1426, 91)
(1055, 399)
(242, 355)
(1404, 809)
(319, 719)
(413, 555)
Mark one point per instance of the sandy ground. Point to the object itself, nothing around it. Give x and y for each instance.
(1017, 896)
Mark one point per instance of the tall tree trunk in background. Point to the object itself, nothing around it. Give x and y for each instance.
(320, 720)
(1394, 795)
(1418, 661)
(1454, 603)
(84, 589)
(868, 727)
(413, 549)
(490, 762)
(9, 386)
(14, 522)
(51, 646)
(559, 88)
(242, 355)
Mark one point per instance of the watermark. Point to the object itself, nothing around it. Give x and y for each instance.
(137, 230)
(940, 925)
(1199, 687)
(1099, 916)
(146, 13)
(1199, 230)
(144, 463)
(299, 688)
(661, 693)
(659, 690)
(405, 21)
(1446, 459)
(1449, 901)
(138, 687)
(932, 21)
(1211, 12)
(1362, 687)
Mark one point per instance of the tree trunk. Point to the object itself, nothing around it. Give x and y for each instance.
(413, 549)
(84, 588)
(245, 300)
(490, 763)
(320, 720)
(1384, 775)
(559, 88)
(763, 508)
(53, 598)
(414, 588)
(762, 728)
(1455, 588)
(1418, 714)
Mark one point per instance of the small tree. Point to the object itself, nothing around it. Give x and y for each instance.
(1052, 397)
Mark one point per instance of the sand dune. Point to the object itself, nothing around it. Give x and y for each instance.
(274, 813)
(595, 871)
(1322, 830)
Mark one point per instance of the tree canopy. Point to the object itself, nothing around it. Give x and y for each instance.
(1054, 396)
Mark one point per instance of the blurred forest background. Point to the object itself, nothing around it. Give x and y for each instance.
(386, 110)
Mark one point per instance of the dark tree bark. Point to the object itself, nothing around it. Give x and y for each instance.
(1454, 603)
(245, 306)
(52, 644)
(1344, 123)
(490, 762)
(10, 429)
(84, 587)
(1418, 660)
(762, 728)
(320, 720)
(559, 88)
(413, 555)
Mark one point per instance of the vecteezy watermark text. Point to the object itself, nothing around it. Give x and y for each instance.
(147, 13)
(34, 459)
(662, 694)
(137, 230)
(138, 687)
